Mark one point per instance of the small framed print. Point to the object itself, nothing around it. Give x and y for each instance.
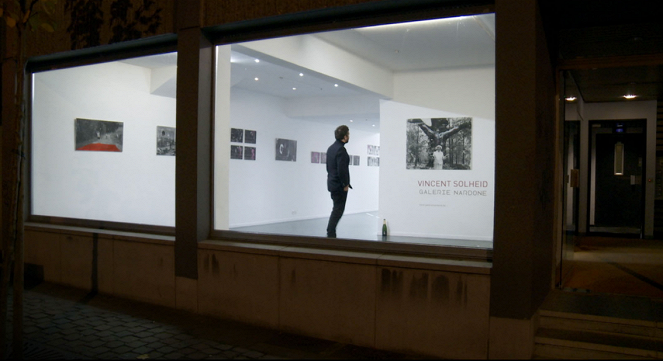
(236, 152)
(250, 153)
(315, 157)
(236, 135)
(250, 136)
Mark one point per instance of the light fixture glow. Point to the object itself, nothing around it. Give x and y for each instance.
(256, 79)
(294, 88)
(373, 124)
(257, 60)
(570, 99)
(301, 74)
(351, 120)
(336, 85)
(630, 96)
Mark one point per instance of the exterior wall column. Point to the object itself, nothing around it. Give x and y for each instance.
(524, 178)
(192, 165)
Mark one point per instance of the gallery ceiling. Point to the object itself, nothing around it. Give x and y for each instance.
(412, 46)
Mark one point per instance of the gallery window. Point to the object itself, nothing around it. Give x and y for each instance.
(103, 141)
(419, 99)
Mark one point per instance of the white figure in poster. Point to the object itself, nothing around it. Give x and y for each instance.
(438, 156)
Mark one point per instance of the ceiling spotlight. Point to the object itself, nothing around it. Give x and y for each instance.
(256, 79)
(336, 85)
(294, 88)
(257, 60)
(351, 120)
(570, 99)
(373, 124)
(301, 74)
(630, 96)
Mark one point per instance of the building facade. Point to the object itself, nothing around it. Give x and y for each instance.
(429, 299)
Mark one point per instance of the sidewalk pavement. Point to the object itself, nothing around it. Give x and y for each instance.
(66, 323)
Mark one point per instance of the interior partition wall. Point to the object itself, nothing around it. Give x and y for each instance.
(419, 99)
(104, 142)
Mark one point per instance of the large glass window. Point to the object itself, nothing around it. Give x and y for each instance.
(419, 99)
(103, 141)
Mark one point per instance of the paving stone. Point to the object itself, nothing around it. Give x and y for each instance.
(196, 356)
(166, 349)
(151, 339)
(72, 337)
(123, 333)
(104, 333)
(174, 356)
(121, 350)
(136, 344)
(183, 336)
(114, 344)
(128, 339)
(200, 346)
(155, 355)
(163, 335)
(187, 351)
(143, 350)
(96, 343)
(107, 356)
(144, 334)
(240, 350)
(102, 328)
(156, 345)
(222, 346)
(69, 331)
(254, 354)
(229, 354)
(100, 350)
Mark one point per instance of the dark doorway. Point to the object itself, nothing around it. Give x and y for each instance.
(617, 159)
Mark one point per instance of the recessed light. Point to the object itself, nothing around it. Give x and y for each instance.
(257, 60)
(373, 124)
(570, 99)
(256, 79)
(294, 88)
(630, 96)
(336, 85)
(351, 120)
(301, 74)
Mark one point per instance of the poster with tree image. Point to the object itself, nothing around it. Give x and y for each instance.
(439, 143)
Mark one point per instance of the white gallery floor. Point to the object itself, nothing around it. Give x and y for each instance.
(361, 226)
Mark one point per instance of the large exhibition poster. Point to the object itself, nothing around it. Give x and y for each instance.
(436, 173)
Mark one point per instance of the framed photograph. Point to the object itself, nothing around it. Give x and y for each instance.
(286, 150)
(165, 140)
(323, 158)
(98, 135)
(355, 160)
(373, 161)
(250, 136)
(236, 135)
(250, 153)
(315, 157)
(236, 152)
(439, 143)
(373, 149)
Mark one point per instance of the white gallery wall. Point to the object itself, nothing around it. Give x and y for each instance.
(453, 204)
(134, 185)
(266, 190)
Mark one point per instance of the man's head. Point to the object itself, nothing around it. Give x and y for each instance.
(342, 133)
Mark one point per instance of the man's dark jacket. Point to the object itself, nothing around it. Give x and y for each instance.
(338, 160)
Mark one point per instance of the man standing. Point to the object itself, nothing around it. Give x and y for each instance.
(338, 176)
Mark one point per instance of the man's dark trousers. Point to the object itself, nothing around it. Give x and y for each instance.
(339, 198)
